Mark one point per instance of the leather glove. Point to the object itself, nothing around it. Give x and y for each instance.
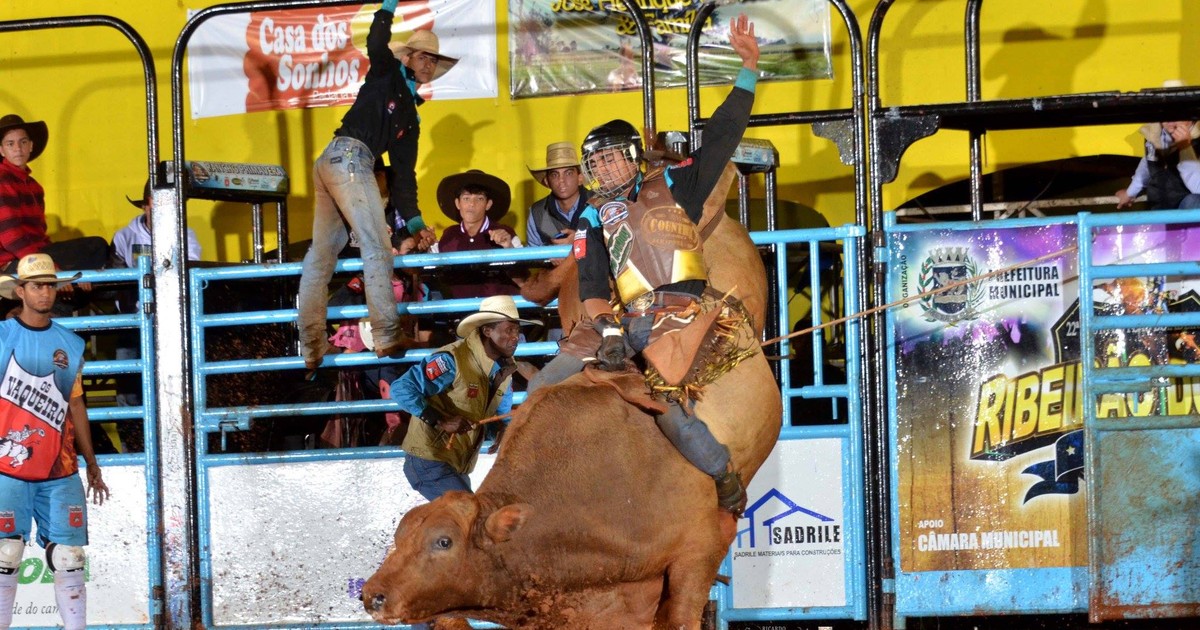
(612, 352)
(453, 425)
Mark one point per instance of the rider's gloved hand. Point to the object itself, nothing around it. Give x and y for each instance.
(613, 351)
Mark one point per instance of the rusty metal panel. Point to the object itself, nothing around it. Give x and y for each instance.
(1148, 519)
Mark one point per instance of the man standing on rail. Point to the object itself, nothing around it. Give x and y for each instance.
(383, 119)
(43, 424)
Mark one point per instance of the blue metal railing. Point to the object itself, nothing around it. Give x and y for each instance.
(210, 419)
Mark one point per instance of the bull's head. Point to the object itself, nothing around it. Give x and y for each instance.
(439, 563)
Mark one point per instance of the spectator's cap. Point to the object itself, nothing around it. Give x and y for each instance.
(497, 308)
(140, 203)
(558, 155)
(33, 268)
(426, 42)
(497, 191)
(37, 131)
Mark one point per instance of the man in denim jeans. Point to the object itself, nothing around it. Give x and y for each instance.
(451, 390)
(382, 119)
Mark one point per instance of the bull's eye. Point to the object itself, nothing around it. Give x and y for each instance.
(442, 543)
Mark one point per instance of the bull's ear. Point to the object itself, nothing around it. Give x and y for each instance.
(501, 525)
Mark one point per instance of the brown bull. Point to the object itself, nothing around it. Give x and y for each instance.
(589, 517)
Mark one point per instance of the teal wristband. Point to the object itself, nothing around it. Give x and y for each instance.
(415, 225)
(390, 5)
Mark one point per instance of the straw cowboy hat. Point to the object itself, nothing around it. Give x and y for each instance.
(498, 192)
(497, 308)
(37, 131)
(140, 203)
(426, 42)
(33, 268)
(558, 155)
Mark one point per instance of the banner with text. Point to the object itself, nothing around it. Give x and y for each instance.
(990, 456)
(581, 46)
(317, 57)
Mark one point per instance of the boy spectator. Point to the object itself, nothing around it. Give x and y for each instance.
(552, 218)
(475, 201)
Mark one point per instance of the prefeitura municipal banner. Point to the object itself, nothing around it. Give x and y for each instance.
(581, 46)
(990, 449)
(301, 58)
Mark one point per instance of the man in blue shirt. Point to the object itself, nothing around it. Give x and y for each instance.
(451, 390)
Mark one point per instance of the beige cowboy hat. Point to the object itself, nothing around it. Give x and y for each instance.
(426, 42)
(37, 131)
(558, 155)
(33, 268)
(497, 191)
(497, 308)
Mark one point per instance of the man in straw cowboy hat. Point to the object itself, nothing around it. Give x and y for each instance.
(43, 425)
(383, 119)
(1169, 171)
(552, 218)
(23, 207)
(454, 388)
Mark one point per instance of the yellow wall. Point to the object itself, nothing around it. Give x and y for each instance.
(86, 84)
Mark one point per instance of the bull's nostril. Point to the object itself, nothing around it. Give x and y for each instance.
(376, 602)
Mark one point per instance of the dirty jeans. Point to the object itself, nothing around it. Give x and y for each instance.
(686, 432)
(345, 185)
(433, 478)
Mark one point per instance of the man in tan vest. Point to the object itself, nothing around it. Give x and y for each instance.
(454, 388)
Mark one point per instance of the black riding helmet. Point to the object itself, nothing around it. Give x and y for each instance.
(614, 134)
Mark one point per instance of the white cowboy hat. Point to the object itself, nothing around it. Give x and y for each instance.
(426, 42)
(497, 308)
(33, 268)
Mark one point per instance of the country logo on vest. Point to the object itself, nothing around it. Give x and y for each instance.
(60, 359)
(667, 227)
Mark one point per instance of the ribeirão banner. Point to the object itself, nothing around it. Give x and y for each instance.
(580, 46)
(990, 449)
(317, 57)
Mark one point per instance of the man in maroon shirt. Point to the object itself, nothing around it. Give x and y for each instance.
(23, 207)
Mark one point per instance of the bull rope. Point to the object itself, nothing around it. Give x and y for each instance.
(924, 294)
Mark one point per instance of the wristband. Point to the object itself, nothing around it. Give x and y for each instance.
(390, 5)
(612, 332)
(414, 225)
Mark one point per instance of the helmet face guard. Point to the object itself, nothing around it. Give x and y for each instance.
(611, 157)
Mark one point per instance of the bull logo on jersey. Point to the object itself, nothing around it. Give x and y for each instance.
(8, 522)
(613, 212)
(60, 359)
(13, 446)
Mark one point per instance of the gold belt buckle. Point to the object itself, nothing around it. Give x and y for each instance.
(641, 303)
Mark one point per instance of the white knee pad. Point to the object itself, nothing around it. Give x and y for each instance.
(65, 557)
(11, 550)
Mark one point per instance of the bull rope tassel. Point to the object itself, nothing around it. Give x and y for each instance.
(450, 440)
(924, 294)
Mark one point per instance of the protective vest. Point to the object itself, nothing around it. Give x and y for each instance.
(37, 439)
(470, 397)
(651, 242)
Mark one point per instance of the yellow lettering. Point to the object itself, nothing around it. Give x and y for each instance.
(1050, 413)
(1025, 415)
(989, 415)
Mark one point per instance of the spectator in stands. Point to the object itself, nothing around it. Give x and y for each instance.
(128, 244)
(552, 218)
(454, 388)
(382, 119)
(23, 208)
(1170, 171)
(475, 201)
(42, 435)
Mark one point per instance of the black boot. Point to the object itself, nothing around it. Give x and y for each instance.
(731, 494)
